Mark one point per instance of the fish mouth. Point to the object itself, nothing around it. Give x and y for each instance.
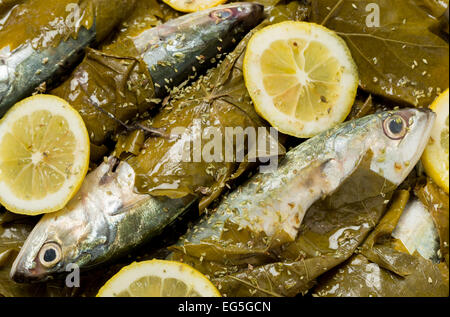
(26, 267)
(20, 274)
(25, 277)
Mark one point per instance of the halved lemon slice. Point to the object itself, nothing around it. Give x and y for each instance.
(301, 77)
(193, 5)
(158, 278)
(44, 155)
(435, 157)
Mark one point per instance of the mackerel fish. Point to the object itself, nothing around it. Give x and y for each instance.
(267, 211)
(106, 217)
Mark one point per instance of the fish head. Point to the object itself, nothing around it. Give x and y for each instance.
(77, 235)
(221, 21)
(398, 140)
(215, 20)
(50, 247)
(240, 11)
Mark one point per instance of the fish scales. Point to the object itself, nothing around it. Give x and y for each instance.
(33, 51)
(124, 80)
(311, 171)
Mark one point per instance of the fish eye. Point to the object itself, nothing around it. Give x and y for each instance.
(221, 14)
(395, 127)
(50, 254)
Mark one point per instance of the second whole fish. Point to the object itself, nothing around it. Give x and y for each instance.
(239, 245)
(115, 85)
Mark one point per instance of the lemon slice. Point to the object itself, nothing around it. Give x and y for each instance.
(158, 278)
(193, 5)
(44, 155)
(301, 77)
(435, 157)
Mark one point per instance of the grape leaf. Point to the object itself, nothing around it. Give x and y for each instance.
(399, 58)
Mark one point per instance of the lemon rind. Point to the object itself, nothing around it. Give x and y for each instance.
(77, 126)
(161, 268)
(176, 5)
(263, 102)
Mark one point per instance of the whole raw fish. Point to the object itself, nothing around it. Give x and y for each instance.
(417, 231)
(269, 208)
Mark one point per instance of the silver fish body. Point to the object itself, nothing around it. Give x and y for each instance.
(104, 220)
(21, 71)
(274, 204)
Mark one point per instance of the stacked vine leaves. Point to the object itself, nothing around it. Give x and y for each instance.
(402, 64)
